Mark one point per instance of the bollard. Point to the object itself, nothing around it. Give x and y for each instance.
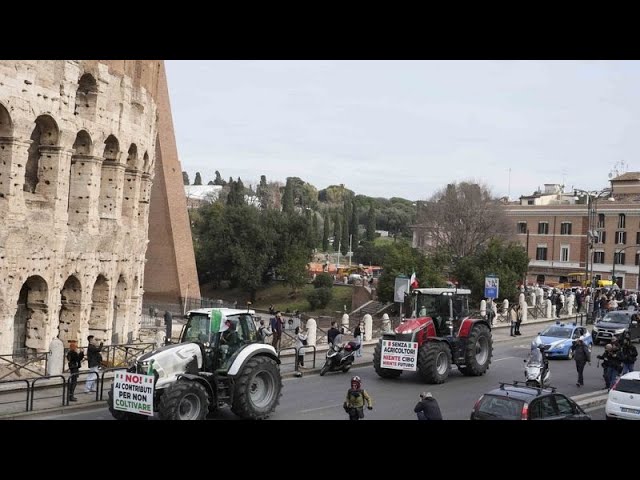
(505, 307)
(524, 309)
(548, 309)
(55, 365)
(368, 327)
(160, 336)
(532, 299)
(386, 323)
(483, 308)
(312, 331)
(345, 321)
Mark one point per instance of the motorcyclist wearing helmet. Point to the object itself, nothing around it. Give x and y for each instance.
(356, 398)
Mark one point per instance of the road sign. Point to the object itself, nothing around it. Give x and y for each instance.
(491, 286)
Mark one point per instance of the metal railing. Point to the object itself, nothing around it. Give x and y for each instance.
(27, 390)
(118, 355)
(48, 377)
(22, 359)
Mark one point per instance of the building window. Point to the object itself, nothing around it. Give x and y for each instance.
(601, 220)
(621, 220)
(529, 202)
(621, 238)
(522, 227)
(565, 228)
(637, 258)
(638, 238)
(564, 253)
(602, 237)
(541, 253)
(543, 228)
(618, 258)
(598, 257)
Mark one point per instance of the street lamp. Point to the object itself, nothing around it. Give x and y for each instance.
(592, 209)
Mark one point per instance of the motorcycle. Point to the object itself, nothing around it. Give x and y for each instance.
(340, 358)
(536, 372)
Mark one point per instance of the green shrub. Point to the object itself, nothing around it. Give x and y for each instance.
(319, 297)
(324, 280)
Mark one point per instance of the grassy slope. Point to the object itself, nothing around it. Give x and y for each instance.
(278, 294)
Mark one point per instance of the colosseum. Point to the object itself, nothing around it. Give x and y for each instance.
(77, 152)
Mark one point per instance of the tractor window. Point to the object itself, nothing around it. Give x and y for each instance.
(197, 328)
(434, 305)
(247, 328)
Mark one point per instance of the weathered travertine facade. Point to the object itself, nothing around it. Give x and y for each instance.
(77, 151)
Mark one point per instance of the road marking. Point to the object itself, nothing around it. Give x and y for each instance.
(320, 408)
(503, 358)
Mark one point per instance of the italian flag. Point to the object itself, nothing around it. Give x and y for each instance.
(217, 321)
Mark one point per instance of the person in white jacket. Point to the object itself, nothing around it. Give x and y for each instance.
(301, 340)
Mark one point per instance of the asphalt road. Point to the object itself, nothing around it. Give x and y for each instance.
(320, 398)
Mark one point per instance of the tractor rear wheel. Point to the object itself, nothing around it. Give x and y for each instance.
(184, 400)
(257, 389)
(383, 372)
(434, 361)
(477, 351)
(119, 414)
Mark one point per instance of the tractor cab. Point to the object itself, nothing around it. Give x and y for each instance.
(219, 348)
(447, 307)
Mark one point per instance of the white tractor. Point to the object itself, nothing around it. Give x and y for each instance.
(205, 371)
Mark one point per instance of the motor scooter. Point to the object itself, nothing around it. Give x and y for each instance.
(536, 371)
(340, 357)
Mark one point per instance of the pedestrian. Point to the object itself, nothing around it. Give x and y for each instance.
(518, 319)
(74, 357)
(276, 328)
(611, 365)
(582, 356)
(491, 311)
(168, 325)
(356, 399)
(513, 317)
(358, 337)
(333, 332)
(301, 341)
(95, 361)
(629, 354)
(263, 332)
(428, 408)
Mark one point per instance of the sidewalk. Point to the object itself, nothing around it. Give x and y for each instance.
(49, 398)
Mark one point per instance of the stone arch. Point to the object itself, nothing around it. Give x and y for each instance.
(31, 315)
(86, 96)
(83, 144)
(98, 325)
(6, 126)
(111, 149)
(132, 157)
(44, 134)
(70, 312)
(145, 163)
(110, 182)
(120, 312)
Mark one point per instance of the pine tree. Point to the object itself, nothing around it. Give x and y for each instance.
(325, 233)
(218, 180)
(346, 217)
(353, 228)
(287, 201)
(371, 223)
(337, 230)
(198, 179)
(185, 178)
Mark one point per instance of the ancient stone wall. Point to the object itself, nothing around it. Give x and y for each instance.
(77, 152)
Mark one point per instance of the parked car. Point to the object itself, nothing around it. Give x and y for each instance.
(558, 339)
(518, 402)
(614, 323)
(624, 398)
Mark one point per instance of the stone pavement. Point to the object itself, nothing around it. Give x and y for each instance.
(49, 399)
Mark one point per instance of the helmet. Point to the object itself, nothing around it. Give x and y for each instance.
(356, 382)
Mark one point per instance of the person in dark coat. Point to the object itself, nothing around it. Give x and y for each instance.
(611, 363)
(581, 355)
(427, 408)
(629, 354)
(95, 361)
(74, 357)
(333, 332)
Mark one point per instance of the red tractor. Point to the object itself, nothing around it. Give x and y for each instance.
(441, 332)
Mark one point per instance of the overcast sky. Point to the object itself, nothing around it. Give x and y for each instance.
(407, 128)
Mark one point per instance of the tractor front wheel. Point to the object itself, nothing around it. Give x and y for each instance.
(184, 400)
(434, 361)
